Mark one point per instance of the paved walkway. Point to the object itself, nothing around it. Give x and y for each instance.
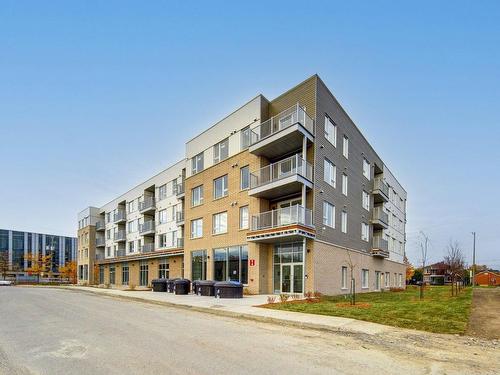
(245, 307)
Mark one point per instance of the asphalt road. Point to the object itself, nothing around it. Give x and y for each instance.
(52, 331)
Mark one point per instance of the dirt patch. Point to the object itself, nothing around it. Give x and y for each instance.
(485, 315)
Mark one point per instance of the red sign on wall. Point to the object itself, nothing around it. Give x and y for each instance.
(252, 262)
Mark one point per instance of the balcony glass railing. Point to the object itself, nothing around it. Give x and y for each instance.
(179, 189)
(296, 214)
(180, 243)
(285, 119)
(147, 204)
(379, 184)
(120, 253)
(99, 256)
(179, 216)
(120, 235)
(380, 244)
(379, 214)
(147, 226)
(120, 216)
(99, 225)
(281, 169)
(148, 248)
(100, 241)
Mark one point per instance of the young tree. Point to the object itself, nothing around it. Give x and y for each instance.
(4, 263)
(455, 262)
(38, 264)
(424, 245)
(353, 281)
(69, 271)
(410, 271)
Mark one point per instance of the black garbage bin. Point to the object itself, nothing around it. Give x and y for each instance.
(206, 288)
(194, 286)
(159, 285)
(170, 285)
(228, 289)
(182, 286)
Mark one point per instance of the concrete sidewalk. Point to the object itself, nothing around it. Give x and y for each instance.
(245, 307)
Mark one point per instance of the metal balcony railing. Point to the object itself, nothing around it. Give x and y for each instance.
(296, 214)
(120, 235)
(100, 241)
(120, 253)
(283, 120)
(147, 204)
(380, 244)
(147, 226)
(99, 225)
(179, 189)
(281, 169)
(99, 256)
(179, 217)
(379, 184)
(148, 248)
(379, 214)
(120, 215)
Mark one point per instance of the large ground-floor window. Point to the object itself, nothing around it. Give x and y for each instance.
(101, 274)
(143, 274)
(163, 269)
(288, 268)
(112, 273)
(199, 265)
(231, 263)
(125, 274)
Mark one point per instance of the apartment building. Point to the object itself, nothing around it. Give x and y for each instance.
(18, 248)
(136, 237)
(286, 196)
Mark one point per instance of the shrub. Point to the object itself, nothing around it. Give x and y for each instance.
(284, 298)
(271, 299)
(308, 296)
(318, 294)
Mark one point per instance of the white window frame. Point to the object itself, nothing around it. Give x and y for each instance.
(330, 131)
(196, 224)
(330, 173)
(343, 276)
(197, 163)
(345, 183)
(163, 216)
(219, 223)
(199, 189)
(365, 197)
(343, 221)
(244, 217)
(242, 169)
(225, 190)
(221, 151)
(366, 169)
(328, 208)
(365, 277)
(345, 147)
(365, 232)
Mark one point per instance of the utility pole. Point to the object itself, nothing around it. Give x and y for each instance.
(473, 259)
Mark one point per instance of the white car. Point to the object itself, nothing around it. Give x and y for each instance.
(5, 282)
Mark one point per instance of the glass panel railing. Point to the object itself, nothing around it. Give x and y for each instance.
(379, 184)
(148, 248)
(99, 225)
(379, 214)
(179, 216)
(120, 253)
(100, 241)
(281, 169)
(380, 244)
(283, 120)
(119, 235)
(147, 203)
(120, 215)
(296, 214)
(147, 226)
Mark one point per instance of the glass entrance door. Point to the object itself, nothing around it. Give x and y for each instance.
(291, 278)
(286, 278)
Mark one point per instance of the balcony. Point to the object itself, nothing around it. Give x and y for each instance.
(380, 219)
(179, 217)
(100, 226)
(380, 247)
(380, 190)
(120, 217)
(290, 223)
(282, 178)
(180, 243)
(100, 242)
(179, 190)
(148, 248)
(120, 236)
(147, 206)
(282, 134)
(99, 257)
(120, 253)
(147, 228)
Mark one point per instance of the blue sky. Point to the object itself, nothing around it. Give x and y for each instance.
(95, 97)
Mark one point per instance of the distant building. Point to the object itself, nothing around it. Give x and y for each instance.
(487, 278)
(437, 274)
(15, 246)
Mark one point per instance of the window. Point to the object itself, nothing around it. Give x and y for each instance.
(108, 251)
(168, 239)
(330, 173)
(219, 223)
(364, 278)
(231, 264)
(197, 163)
(330, 131)
(344, 184)
(344, 221)
(162, 216)
(244, 217)
(131, 248)
(132, 226)
(400, 280)
(108, 234)
(112, 274)
(131, 206)
(101, 274)
(387, 279)
(328, 214)
(143, 274)
(125, 274)
(366, 201)
(345, 150)
(108, 217)
(196, 228)
(220, 187)
(162, 192)
(377, 280)
(163, 269)
(365, 235)
(366, 168)
(199, 265)
(244, 177)
(245, 138)
(221, 150)
(344, 277)
(197, 196)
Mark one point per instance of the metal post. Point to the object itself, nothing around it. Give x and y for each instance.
(474, 259)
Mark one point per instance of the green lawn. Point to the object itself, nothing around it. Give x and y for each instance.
(438, 312)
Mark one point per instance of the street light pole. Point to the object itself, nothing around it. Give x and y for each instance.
(473, 259)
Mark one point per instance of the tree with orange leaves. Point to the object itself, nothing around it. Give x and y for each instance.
(38, 264)
(69, 271)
